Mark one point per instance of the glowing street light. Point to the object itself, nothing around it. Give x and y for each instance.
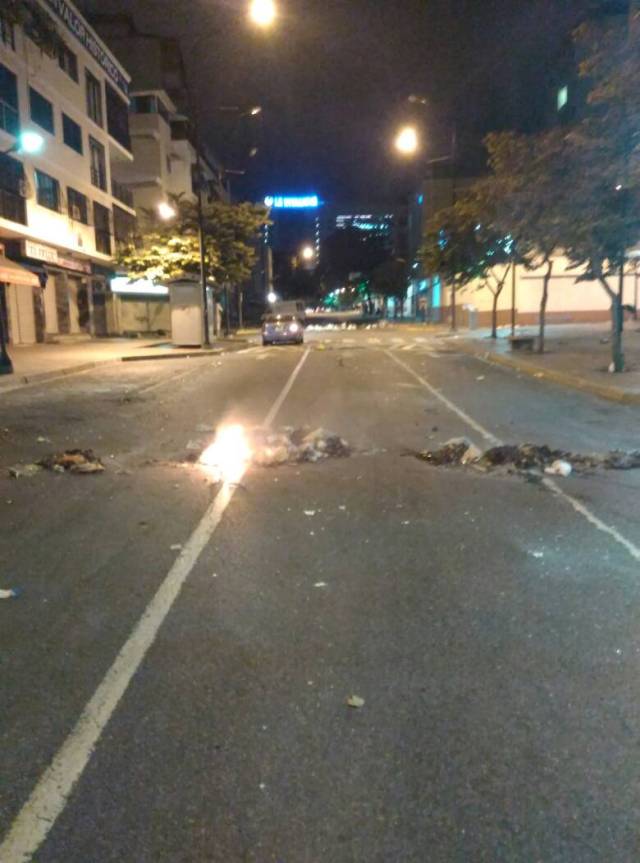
(308, 254)
(27, 143)
(272, 297)
(257, 109)
(407, 141)
(166, 211)
(263, 13)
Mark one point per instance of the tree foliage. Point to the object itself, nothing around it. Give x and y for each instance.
(389, 279)
(167, 250)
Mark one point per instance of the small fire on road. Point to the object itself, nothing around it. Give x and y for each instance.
(228, 457)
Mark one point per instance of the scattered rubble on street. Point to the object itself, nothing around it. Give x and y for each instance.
(355, 701)
(13, 593)
(72, 461)
(296, 445)
(528, 459)
(21, 471)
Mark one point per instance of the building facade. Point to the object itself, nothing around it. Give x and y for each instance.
(60, 208)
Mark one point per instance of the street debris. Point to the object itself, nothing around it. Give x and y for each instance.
(537, 554)
(41, 439)
(355, 701)
(176, 547)
(72, 461)
(13, 593)
(320, 585)
(559, 468)
(531, 460)
(296, 446)
(18, 471)
(309, 512)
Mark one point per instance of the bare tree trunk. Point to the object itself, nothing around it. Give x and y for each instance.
(494, 316)
(240, 308)
(543, 306)
(617, 326)
(617, 317)
(454, 323)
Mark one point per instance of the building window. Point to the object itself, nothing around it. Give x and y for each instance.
(12, 190)
(98, 164)
(47, 191)
(94, 98)
(118, 118)
(124, 226)
(71, 134)
(563, 97)
(102, 222)
(9, 118)
(7, 34)
(68, 62)
(78, 207)
(150, 104)
(41, 111)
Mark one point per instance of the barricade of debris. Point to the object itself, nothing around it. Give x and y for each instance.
(295, 446)
(526, 458)
(72, 461)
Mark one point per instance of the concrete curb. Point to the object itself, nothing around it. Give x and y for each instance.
(17, 382)
(575, 382)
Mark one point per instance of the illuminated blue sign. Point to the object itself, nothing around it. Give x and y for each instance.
(282, 202)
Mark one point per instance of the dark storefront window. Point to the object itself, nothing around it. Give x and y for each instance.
(12, 190)
(9, 118)
(117, 118)
(102, 222)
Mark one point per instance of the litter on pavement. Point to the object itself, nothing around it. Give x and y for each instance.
(295, 446)
(72, 461)
(355, 701)
(528, 459)
(9, 594)
(18, 471)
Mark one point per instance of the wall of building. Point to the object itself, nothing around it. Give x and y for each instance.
(569, 301)
(61, 243)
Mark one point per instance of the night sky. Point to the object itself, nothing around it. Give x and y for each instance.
(334, 75)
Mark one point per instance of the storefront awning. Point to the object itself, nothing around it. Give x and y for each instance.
(14, 274)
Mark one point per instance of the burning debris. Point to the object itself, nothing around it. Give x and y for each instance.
(529, 459)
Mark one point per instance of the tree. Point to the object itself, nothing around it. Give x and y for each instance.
(348, 251)
(451, 248)
(603, 222)
(167, 250)
(389, 279)
(530, 199)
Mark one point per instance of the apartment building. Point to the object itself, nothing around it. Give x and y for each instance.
(61, 208)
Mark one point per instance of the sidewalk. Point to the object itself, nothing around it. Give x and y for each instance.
(39, 363)
(577, 356)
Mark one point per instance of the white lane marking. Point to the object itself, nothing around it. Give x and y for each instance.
(170, 380)
(551, 484)
(373, 341)
(410, 347)
(452, 407)
(49, 797)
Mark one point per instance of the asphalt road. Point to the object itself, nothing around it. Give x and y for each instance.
(163, 705)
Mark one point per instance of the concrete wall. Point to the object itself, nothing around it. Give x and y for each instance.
(569, 302)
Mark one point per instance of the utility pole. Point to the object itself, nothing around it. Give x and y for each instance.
(203, 250)
(6, 366)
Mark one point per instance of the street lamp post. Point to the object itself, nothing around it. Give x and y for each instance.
(408, 144)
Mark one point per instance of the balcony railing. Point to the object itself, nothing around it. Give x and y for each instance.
(122, 193)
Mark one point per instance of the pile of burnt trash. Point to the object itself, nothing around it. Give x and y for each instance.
(526, 458)
(295, 446)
